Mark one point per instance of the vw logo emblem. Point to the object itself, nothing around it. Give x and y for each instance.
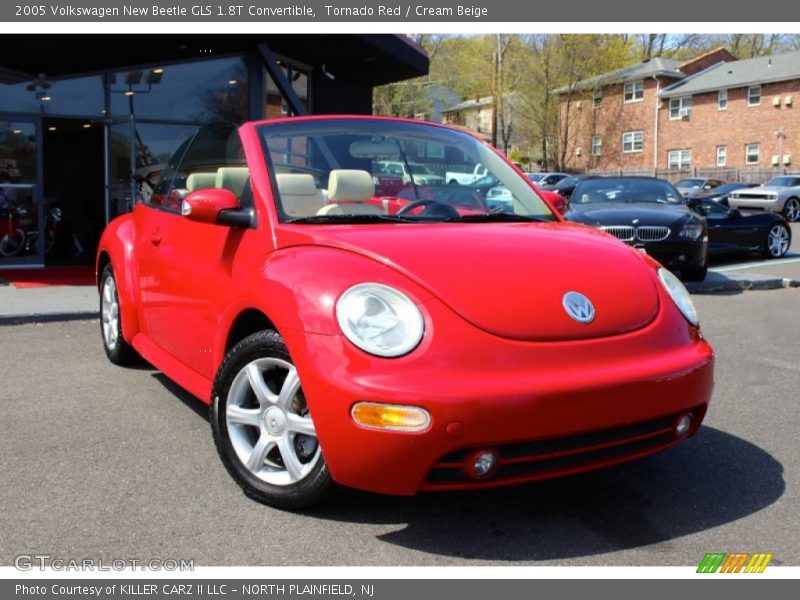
(578, 307)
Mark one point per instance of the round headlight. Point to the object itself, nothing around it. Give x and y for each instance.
(379, 319)
(679, 295)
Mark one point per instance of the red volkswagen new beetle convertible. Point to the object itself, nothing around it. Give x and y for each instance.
(417, 341)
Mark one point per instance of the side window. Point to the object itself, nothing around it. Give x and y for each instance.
(161, 189)
(214, 158)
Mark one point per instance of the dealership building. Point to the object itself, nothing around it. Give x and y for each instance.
(86, 119)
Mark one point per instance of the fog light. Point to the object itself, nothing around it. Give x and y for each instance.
(392, 417)
(482, 464)
(683, 424)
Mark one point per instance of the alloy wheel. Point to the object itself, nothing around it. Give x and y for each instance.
(268, 422)
(792, 210)
(109, 310)
(778, 241)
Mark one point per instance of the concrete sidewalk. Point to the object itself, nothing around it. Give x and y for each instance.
(53, 303)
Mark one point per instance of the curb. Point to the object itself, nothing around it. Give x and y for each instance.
(737, 282)
(48, 318)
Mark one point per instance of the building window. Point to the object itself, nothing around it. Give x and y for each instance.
(632, 141)
(597, 98)
(754, 95)
(680, 108)
(679, 159)
(722, 155)
(597, 145)
(634, 91)
(752, 154)
(722, 100)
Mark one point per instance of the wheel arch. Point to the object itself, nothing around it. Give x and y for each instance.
(116, 248)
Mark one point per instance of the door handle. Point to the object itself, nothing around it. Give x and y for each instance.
(155, 239)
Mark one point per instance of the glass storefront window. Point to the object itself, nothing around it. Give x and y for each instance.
(19, 219)
(275, 105)
(198, 92)
(79, 96)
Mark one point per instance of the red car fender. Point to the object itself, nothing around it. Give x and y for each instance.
(283, 291)
(117, 243)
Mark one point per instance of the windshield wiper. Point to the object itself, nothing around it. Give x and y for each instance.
(345, 219)
(495, 217)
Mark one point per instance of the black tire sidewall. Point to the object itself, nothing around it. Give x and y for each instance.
(302, 494)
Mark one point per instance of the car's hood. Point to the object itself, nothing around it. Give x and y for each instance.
(508, 279)
(625, 213)
(759, 191)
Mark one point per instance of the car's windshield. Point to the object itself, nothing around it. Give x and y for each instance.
(595, 191)
(326, 171)
(535, 176)
(689, 183)
(567, 182)
(728, 187)
(784, 182)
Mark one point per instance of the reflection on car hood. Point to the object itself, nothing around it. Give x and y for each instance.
(624, 213)
(509, 279)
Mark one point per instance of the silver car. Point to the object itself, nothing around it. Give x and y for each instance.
(779, 195)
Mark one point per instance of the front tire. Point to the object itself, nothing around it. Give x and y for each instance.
(791, 210)
(778, 240)
(117, 349)
(263, 429)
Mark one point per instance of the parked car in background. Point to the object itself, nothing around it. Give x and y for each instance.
(544, 179)
(721, 193)
(425, 350)
(780, 195)
(566, 186)
(729, 231)
(649, 214)
(500, 198)
(421, 174)
(694, 185)
(468, 178)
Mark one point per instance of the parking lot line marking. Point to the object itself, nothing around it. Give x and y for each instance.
(763, 263)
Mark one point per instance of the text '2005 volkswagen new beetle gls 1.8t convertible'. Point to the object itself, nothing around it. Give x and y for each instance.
(394, 341)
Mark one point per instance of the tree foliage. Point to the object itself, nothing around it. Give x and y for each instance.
(531, 67)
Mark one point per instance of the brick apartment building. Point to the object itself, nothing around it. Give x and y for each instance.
(712, 112)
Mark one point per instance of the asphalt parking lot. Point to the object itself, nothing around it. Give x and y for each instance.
(104, 462)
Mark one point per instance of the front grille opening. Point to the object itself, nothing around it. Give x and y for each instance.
(539, 457)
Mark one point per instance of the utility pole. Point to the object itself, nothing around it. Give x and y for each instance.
(495, 90)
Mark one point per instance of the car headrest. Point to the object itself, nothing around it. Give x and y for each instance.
(299, 194)
(200, 181)
(350, 185)
(233, 179)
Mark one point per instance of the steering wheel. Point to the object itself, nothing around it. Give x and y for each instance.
(433, 208)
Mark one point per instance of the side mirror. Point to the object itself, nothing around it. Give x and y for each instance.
(215, 206)
(734, 213)
(693, 203)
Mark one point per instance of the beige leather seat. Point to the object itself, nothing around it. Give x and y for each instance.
(233, 179)
(351, 187)
(299, 194)
(201, 181)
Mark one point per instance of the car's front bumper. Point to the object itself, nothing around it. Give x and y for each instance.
(548, 409)
(768, 204)
(676, 252)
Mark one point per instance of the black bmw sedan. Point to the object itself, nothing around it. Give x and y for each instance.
(647, 213)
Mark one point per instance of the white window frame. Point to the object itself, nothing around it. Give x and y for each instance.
(681, 162)
(597, 144)
(636, 91)
(749, 95)
(722, 156)
(722, 100)
(597, 98)
(632, 141)
(747, 147)
(676, 105)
